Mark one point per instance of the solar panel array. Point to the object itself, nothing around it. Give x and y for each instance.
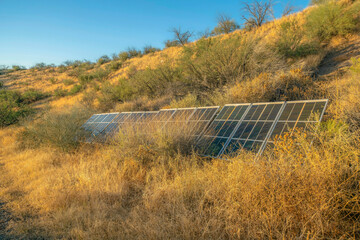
(298, 114)
(237, 127)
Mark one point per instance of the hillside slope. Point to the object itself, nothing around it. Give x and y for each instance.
(156, 187)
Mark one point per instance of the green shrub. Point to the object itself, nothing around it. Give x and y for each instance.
(212, 63)
(115, 65)
(53, 80)
(330, 19)
(98, 75)
(113, 93)
(355, 67)
(150, 49)
(103, 59)
(1, 84)
(68, 82)
(171, 43)
(33, 95)
(17, 68)
(290, 41)
(123, 56)
(59, 92)
(75, 89)
(190, 100)
(12, 107)
(60, 130)
(133, 52)
(165, 79)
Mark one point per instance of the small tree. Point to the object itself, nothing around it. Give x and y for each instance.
(181, 37)
(257, 12)
(225, 25)
(103, 59)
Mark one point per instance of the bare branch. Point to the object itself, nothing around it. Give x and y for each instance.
(225, 25)
(257, 12)
(180, 36)
(288, 9)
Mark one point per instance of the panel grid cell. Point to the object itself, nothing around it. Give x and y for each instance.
(298, 115)
(219, 131)
(100, 124)
(200, 120)
(251, 134)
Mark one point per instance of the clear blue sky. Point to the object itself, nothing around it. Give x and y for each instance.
(54, 31)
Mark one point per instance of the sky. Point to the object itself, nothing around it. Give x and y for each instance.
(54, 31)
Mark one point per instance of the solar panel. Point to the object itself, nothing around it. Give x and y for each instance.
(114, 126)
(237, 127)
(251, 133)
(298, 114)
(87, 125)
(178, 119)
(200, 119)
(218, 133)
(100, 124)
(163, 116)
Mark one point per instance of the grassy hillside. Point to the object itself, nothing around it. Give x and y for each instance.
(141, 187)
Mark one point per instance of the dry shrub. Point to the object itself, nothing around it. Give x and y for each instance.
(143, 104)
(345, 95)
(56, 129)
(293, 85)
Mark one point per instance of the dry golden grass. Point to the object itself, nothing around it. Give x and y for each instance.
(143, 187)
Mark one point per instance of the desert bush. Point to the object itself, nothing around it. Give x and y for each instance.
(55, 129)
(12, 107)
(98, 75)
(291, 43)
(345, 96)
(62, 69)
(190, 100)
(32, 95)
(225, 25)
(171, 43)
(88, 98)
(68, 82)
(115, 65)
(330, 19)
(149, 49)
(17, 68)
(294, 85)
(40, 66)
(212, 63)
(123, 56)
(113, 93)
(163, 80)
(133, 52)
(355, 66)
(53, 80)
(75, 89)
(60, 92)
(103, 59)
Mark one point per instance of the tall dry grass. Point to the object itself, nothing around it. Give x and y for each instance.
(150, 186)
